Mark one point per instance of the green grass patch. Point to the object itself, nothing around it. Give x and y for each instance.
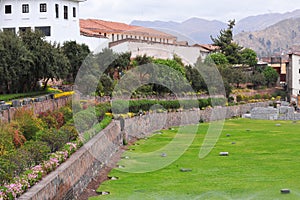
(264, 159)
(9, 97)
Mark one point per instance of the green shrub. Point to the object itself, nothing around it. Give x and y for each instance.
(37, 150)
(257, 96)
(67, 113)
(85, 120)
(239, 98)
(54, 138)
(29, 125)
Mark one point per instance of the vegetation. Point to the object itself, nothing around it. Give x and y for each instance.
(37, 145)
(28, 58)
(233, 52)
(263, 160)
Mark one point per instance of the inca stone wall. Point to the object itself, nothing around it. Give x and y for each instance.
(7, 112)
(271, 113)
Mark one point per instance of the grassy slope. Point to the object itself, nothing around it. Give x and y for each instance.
(263, 161)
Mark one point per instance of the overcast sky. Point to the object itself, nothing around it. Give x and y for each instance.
(180, 10)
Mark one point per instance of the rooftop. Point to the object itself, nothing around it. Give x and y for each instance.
(96, 27)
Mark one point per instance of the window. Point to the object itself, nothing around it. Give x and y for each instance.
(25, 8)
(56, 10)
(43, 7)
(74, 12)
(65, 12)
(12, 30)
(46, 30)
(8, 9)
(24, 29)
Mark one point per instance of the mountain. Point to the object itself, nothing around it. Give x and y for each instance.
(276, 39)
(267, 34)
(260, 22)
(194, 30)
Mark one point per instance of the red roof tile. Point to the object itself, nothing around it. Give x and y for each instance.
(100, 27)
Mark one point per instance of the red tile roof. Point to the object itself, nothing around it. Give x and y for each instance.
(94, 27)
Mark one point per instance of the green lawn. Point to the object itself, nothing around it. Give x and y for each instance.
(264, 159)
(9, 97)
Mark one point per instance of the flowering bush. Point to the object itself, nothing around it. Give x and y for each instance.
(64, 94)
(29, 178)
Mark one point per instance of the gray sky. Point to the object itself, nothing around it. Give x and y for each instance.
(180, 10)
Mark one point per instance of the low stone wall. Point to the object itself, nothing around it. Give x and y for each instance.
(51, 104)
(72, 177)
(271, 113)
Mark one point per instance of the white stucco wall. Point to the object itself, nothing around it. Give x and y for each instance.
(295, 77)
(61, 29)
(188, 54)
(94, 44)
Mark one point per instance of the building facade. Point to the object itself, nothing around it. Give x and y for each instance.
(293, 77)
(57, 19)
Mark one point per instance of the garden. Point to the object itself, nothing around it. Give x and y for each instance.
(33, 146)
(263, 159)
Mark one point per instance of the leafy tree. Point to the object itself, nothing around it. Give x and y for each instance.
(76, 53)
(142, 60)
(195, 79)
(248, 57)
(258, 79)
(15, 61)
(227, 47)
(219, 58)
(238, 77)
(48, 61)
(271, 76)
(105, 86)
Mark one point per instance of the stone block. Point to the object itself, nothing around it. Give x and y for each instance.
(5, 107)
(224, 154)
(285, 191)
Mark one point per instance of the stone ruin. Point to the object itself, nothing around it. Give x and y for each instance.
(282, 112)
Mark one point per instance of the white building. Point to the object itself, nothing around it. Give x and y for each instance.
(293, 78)
(57, 19)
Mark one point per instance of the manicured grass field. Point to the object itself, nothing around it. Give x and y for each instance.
(264, 159)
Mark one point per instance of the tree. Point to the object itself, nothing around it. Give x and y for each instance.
(15, 60)
(219, 58)
(257, 79)
(238, 77)
(48, 62)
(227, 47)
(76, 53)
(271, 76)
(248, 57)
(195, 79)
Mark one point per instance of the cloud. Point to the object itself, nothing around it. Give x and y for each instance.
(172, 10)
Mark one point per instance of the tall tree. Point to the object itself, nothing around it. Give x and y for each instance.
(76, 53)
(225, 41)
(15, 60)
(271, 76)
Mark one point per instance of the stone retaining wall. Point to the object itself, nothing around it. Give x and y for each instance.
(271, 113)
(51, 104)
(72, 177)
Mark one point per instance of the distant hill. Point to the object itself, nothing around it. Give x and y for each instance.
(194, 30)
(260, 22)
(276, 39)
(267, 34)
